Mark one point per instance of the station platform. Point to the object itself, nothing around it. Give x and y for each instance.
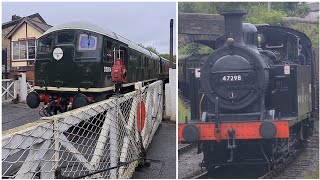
(163, 151)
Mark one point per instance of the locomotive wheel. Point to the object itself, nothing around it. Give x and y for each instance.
(33, 100)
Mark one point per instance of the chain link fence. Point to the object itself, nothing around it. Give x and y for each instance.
(102, 140)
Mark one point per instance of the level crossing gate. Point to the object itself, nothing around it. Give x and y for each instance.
(101, 140)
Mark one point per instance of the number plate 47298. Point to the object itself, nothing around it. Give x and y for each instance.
(232, 78)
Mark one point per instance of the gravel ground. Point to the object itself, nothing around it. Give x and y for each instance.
(189, 164)
(306, 162)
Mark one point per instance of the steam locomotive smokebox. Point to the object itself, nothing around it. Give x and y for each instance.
(290, 90)
(194, 94)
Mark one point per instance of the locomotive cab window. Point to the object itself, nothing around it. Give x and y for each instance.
(250, 38)
(65, 38)
(45, 44)
(87, 42)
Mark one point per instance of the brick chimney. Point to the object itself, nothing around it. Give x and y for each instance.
(15, 17)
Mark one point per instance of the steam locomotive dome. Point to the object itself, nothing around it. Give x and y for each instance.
(236, 74)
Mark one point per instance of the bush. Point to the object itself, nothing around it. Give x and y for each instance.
(312, 31)
(194, 48)
(260, 15)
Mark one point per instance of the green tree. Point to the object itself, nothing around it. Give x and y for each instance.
(312, 31)
(167, 56)
(194, 48)
(291, 8)
(152, 49)
(259, 14)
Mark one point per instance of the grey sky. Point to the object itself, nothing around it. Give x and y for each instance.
(144, 22)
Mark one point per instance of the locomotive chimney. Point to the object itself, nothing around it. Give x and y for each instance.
(233, 26)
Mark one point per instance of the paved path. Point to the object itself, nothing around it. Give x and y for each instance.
(14, 115)
(163, 148)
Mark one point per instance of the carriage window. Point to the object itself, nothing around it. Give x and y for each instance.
(87, 42)
(45, 44)
(146, 59)
(65, 37)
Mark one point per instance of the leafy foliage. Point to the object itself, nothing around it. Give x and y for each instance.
(195, 48)
(312, 31)
(152, 49)
(291, 8)
(261, 15)
(183, 111)
(167, 56)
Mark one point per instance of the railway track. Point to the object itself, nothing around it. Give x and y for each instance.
(185, 147)
(300, 163)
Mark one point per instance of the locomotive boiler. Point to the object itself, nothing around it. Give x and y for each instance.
(251, 101)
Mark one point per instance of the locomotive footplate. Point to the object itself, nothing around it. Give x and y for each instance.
(204, 131)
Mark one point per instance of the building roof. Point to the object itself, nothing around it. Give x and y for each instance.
(41, 27)
(100, 30)
(17, 21)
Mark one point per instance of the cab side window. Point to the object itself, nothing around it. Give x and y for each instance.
(45, 44)
(87, 42)
(65, 38)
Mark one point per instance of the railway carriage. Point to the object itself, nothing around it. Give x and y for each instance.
(251, 101)
(79, 63)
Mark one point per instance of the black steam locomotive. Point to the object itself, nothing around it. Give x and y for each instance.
(252, 101)
(79, 63)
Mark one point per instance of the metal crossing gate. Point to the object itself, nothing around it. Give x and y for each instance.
(16, 89)
(101, 140)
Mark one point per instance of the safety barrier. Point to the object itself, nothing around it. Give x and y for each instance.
(8, 90)
(16, 89)
(102, 140)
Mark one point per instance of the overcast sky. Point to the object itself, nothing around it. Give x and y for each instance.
(145, 22)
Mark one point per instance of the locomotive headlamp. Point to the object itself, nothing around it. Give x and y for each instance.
(230, 41)
(259, 39)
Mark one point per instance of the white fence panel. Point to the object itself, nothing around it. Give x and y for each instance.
(8, 90)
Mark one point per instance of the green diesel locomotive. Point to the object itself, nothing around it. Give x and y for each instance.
(79, 63)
